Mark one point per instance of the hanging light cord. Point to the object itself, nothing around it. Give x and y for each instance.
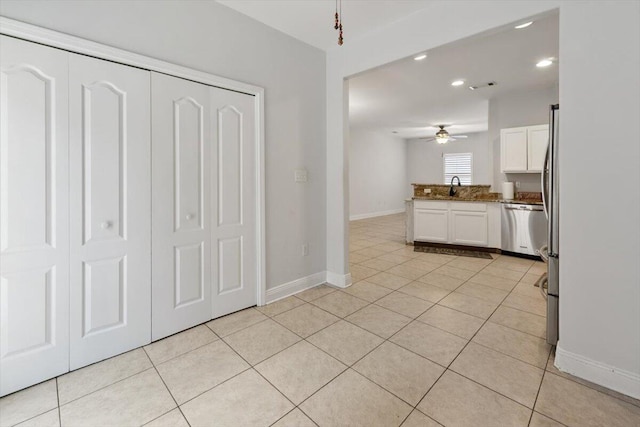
(338, 22)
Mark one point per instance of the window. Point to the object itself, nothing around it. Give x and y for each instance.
(458, 164)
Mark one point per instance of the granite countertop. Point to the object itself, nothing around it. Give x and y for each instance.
(476, 199)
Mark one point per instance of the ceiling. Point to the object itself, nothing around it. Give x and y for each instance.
(312, 20)
(410, 97)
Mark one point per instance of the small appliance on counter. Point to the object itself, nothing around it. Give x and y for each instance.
(507, 191)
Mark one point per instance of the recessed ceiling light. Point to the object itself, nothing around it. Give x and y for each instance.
(544, 63)
(457, 83)
(420, 57)
(525, 25)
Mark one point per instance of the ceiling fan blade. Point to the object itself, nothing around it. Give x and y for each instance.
(459, 136)
(428, 138)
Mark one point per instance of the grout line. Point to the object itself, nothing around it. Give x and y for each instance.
(58, 399)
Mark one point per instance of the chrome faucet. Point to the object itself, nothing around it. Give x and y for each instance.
(452, 192)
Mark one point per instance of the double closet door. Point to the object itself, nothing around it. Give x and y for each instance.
(98, 251)
(204, 206)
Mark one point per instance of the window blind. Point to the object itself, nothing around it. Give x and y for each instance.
(459, 164)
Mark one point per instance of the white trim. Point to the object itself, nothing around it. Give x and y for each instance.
(287, 289)
(375, 214)
(599, 373)
(74, 44)
(339, 280)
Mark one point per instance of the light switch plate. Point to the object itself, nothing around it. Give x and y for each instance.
(300, 175)
(427, 191)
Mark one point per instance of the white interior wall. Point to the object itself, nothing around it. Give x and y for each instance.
(600, 222)
(377, 175)
(520, 108)
(425, 159)
(207, 36)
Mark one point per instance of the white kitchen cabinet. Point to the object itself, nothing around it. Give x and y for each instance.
(110, 209)
(34, 220)
(522, 149)
(460, 223)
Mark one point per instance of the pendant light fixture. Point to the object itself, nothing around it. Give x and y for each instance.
(338, 22)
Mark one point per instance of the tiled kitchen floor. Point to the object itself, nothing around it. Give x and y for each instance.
(419, 339)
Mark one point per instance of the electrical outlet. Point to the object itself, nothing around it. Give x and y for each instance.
(427, 191)
(517, 184)
(300, 175)
(305, 249)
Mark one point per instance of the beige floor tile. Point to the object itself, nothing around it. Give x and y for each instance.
(234, 322)
(48, 419)
(527, 289)
(295, 418)
(539, 420)
(525, 347)
(424, 291)
(367, 291)
(352, 400)
(133, 401)
(531, 278)
(180, 343)
(576, 405)
(441, 280)
(433, 343)
(504, 374)
(345, 342)
(357, 259)
(468, 304)
(378, 320)
(421, 264)
(340, 304)
(520, 265)
(360, 272)
(173, 418)
(418, 419)
(457, 273)
(261, 341)
(370, 252)
(245, 400)
(400, 371)
(538, 267)
(78, 383)
(503, 272)
(458, 323)
(520, 320)
(407, 272)
(280, 306)
(395, 258)
(315, 293)
(306, 319)
(378, 264)
(435, 258)
(389, 280)
(28, 403)
(494, 281)
(457, 401)
(300, 370)
(536, 305)
(195, 372)
(404, 304)
(486, 293)
(471, 264)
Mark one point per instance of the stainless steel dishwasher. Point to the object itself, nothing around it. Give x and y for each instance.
(524, 228)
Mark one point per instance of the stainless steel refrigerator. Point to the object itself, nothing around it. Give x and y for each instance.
(550, 198)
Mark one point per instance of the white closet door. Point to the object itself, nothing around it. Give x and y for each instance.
(34, 221)
(110, 209)
(234, 186)
(181, 197)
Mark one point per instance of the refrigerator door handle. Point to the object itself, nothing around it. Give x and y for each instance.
(544, 181)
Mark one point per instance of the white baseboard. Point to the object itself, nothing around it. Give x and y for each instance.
(339, 280)
(375, 214)
(286, 289)
(599, 373)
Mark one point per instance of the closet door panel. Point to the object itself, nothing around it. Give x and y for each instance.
(181, 212)
(110, 209)
(234, 186)
(34, 242)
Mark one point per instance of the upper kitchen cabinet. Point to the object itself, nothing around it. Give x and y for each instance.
(522, 149)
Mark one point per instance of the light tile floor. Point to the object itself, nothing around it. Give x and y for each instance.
(418, 340)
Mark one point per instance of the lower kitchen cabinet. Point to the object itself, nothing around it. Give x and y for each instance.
(431, 224)
(469, 228)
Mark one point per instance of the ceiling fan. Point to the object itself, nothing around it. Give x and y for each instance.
(442, 136)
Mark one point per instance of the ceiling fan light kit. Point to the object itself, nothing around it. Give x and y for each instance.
(338, 22)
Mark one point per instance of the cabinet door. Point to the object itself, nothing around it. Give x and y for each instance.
(34, 221)
(233, 203)
(537, 143)
(431, 225)
(110, 191)
(469, 228)
(181, 122)
(513, 149)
